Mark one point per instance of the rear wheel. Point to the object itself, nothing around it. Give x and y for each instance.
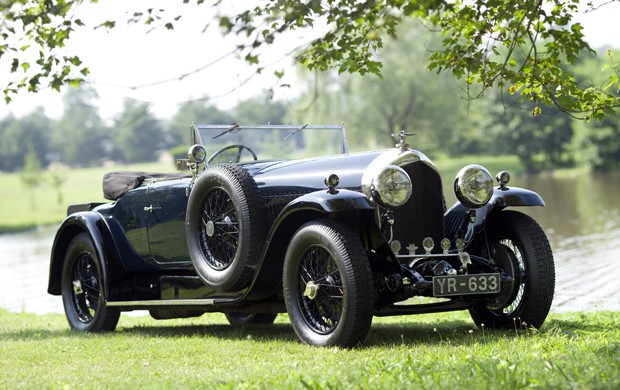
(519, 245)
(328, 287)
(83, 289)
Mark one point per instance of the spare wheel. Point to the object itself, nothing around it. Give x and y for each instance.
(224, 227)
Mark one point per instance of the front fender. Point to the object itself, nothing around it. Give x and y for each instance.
(515, 196)
(349, 207)
(88, 222)
(502, 197)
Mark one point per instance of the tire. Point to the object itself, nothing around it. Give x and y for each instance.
(328, 285)
(238, 319)
(521, 247)
(82, 287)
(224, 227)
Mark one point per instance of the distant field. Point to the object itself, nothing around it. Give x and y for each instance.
(21, 208)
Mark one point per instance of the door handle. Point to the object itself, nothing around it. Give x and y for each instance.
(151, 208)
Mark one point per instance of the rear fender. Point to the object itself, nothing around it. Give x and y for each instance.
(502, 198)
(88, 222)
(350, 208)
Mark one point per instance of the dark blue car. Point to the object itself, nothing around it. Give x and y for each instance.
(271, 219)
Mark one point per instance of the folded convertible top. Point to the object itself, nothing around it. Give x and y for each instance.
(116, 184)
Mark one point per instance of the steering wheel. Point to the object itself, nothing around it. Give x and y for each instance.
(240, 147)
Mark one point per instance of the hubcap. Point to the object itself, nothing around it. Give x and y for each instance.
(210, 227)
(311, 291)
(77, 287)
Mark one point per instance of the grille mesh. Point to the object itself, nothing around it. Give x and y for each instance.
(422, 215)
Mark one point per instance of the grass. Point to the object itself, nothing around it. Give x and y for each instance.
(574, 350)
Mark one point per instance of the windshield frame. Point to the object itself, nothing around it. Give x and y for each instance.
(198, 131)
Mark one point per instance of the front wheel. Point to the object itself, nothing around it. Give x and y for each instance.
(82, 287)
(328, 286)
(519, 245)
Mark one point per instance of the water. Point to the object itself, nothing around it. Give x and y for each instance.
(582, 221)
(24, 261)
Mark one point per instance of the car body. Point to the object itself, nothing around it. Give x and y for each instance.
(332, 238)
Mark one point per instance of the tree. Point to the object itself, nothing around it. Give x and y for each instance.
(31, 174)
(139, 134)
(407, 98)
(199, 112)
(20, 134)
(603, 145)
(480, 44)
(598, 143)
(258, 110)
(79, 137)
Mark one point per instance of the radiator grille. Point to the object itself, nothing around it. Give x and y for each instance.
(422, 215)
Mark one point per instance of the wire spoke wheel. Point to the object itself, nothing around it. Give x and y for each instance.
(86, 290)
(328, 286)
(521, 249)
(219, 229)
(518, 275)
(225, 227)
(320, 290)
(82, 286)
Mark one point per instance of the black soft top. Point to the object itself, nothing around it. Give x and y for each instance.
(116, 184)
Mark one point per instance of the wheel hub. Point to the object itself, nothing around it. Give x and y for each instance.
(312, 290)
(77, 287)
(210, 227)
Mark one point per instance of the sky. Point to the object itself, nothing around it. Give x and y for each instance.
(127, 63)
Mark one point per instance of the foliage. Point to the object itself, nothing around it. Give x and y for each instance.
(34, 34)
(572, 350)
(604, 145)
(197, 112)
(31, 174)
(138, 134)
(79, 137)
(520, 46)
(407, 98)
(56, 180)
(19, 134)
(542, 142)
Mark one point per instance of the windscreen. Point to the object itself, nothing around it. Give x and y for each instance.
(237, 143)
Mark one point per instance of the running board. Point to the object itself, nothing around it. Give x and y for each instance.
(165, 302)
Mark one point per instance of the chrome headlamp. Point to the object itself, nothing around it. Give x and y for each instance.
(197, 154)
(473, 186)
(390, 186)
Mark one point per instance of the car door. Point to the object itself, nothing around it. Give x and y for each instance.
(167, 203)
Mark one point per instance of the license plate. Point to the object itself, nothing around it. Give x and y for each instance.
(444, 286)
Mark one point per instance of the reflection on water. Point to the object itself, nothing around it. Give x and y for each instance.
(582, 220)
(24, 261)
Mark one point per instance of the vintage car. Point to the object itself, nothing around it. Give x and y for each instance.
(272, 219)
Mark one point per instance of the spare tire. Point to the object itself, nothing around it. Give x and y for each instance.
(224, 227)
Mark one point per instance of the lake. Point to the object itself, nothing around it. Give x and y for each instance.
(581, 219)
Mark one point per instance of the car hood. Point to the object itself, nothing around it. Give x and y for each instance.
(307, 175)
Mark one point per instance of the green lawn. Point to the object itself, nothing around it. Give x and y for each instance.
(572, 350)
